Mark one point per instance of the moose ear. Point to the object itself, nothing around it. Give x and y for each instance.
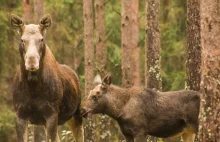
(107, 80)
(17, 23)
(97, 79)
(45, 23)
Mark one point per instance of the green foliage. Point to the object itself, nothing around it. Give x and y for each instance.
(7, 119)
(3, 39)
(172, 44)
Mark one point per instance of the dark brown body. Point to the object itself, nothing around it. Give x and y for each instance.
(160, 114)
(140, 112)
(44, 92)
(52, 89)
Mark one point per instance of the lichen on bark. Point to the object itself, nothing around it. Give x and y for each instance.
(209, 129)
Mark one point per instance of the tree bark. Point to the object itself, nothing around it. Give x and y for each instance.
(126, 44)
(103, 122)
(152, 72)
(27, 6)
(153, 75)
(100, 37)
(193, 48)
(209, 129)
(135, 40)
(38, 10)
(89, 62)
(166, 11)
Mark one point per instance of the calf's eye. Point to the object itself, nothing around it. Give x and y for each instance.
(41, 40)
(94, 98)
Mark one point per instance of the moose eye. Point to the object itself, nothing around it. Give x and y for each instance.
(22, 40)
(94, 98)
(41, 40)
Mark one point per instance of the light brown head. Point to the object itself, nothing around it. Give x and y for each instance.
(97, 98)
(32, 44)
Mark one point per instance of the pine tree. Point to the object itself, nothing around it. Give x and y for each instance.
(102, 122)
(27, 6)
(152, 71)
(135, 40)
(210, 79)
(38, 10)
(193, 48)
(126, 44)
(88, 61)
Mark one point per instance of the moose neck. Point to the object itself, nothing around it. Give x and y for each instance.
(117, 98)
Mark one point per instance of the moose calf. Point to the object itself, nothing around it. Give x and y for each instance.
(140, 112)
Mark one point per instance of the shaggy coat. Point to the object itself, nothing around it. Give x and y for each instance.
(140, 111)
(53, 88)
(44, 91)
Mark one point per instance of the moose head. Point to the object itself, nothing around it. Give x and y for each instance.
(97, 98)
(32, 46)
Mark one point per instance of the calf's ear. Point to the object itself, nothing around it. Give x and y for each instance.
(97, 79)
(45, 23)
(17, 23)
(107, 80)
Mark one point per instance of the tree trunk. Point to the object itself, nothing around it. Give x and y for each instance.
(27, 6)
(89, 62)
(165, 10)
(126, 48)
(210, 81)
(193, 48)
(100, 37)
(135, 39)
(153, 75)
(102, 122)
(126, 44)
(38, 10)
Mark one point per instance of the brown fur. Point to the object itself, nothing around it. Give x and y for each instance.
(49, 96)
(141, 111)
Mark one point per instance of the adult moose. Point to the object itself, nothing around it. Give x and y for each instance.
(141, 111)
(44, 91)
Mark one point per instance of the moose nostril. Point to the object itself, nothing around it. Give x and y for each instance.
(32, 69)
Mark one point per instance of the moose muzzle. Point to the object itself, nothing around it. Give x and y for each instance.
(32, 60)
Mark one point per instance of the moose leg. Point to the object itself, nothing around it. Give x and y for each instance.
(57, 138)
(188, 137)
(129, 138)
(140, 138)
(51, 128)
(75, 125)
(21, 128)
